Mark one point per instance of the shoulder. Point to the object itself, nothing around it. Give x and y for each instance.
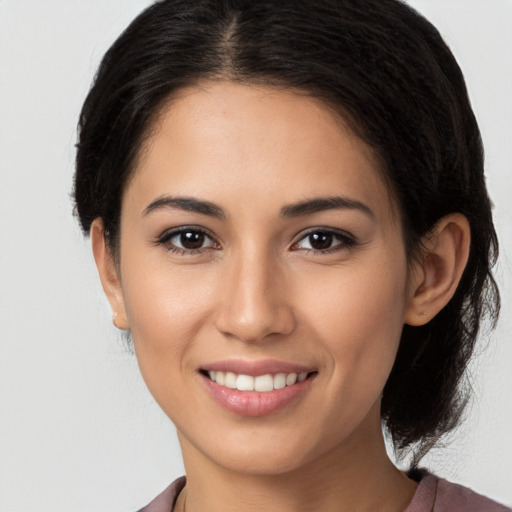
(450, 495)
(438, 495)
(165, 501)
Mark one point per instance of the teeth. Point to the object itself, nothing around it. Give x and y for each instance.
(245, 383)
(230, 380)
(280, 381)
(261, 383)
(291, 379)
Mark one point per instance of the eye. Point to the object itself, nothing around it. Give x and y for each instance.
(324, 240)
(187, 240)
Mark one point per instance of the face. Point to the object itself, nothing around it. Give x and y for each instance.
(263, 276)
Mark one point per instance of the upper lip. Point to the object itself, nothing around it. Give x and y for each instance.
(255, 368)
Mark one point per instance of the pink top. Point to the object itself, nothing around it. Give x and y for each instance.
(433, 495)
(438, 495)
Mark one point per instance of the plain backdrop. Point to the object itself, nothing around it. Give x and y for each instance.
(78, 429)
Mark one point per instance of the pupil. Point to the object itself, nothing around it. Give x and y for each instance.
(320, 241)
(192, 240)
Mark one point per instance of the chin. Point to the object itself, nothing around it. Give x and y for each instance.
(266, 451)
(258, 462)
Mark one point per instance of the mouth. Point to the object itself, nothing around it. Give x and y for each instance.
(259, 383)
(256, 389)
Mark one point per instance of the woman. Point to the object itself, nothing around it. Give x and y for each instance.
(288, 213)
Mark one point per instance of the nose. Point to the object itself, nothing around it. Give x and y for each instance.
(254, 301)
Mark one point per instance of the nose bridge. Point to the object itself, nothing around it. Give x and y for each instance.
(254, 301)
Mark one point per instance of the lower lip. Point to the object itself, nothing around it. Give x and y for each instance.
(255, 403)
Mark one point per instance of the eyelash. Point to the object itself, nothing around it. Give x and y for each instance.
(345, 241)
(166, 238)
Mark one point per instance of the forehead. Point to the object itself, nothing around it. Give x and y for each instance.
(226, 141)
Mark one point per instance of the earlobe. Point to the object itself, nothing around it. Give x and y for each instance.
(438, 269)
(108, 273)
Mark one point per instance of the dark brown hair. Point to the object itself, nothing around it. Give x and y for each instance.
(386, 68)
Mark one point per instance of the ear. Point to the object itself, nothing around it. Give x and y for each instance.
(438, 269)
(109, 275)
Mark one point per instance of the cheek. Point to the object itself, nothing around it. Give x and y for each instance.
(360, 321)
(162, 299)
(166, 307)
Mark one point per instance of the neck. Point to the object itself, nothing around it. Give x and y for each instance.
(355, 476)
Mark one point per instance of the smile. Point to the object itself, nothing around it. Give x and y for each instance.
(259, 383)
(256, 388)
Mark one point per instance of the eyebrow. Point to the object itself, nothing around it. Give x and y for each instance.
(321, 204)
(188, 204)
(301, 208)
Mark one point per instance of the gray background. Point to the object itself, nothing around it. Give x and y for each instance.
(78, 430)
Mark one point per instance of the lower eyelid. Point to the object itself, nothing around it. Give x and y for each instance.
(187, 252)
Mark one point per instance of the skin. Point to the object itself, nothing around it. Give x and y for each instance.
(255, 290)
